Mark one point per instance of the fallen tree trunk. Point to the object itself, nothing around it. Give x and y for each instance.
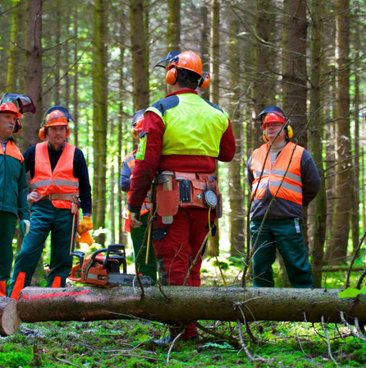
(171, 304)
(9, 320)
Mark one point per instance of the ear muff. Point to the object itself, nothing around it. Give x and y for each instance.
(42, 133)
(290, 132)
(264, 137)
(17, 127)
(171, 76)
(204, 81)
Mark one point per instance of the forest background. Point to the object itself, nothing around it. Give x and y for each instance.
(308, 57)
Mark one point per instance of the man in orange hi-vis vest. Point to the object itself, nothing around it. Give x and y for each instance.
(59, 179)
(283, 177)
(13, 182)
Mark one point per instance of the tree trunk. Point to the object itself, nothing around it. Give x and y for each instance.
(315, 139)
(236, 192)
(177, 303)
(337, 249)
(173, 30)
(138, 51)
(9, 319)
(75, 99)
(100, 119)
(204, 46)
(34, 69)
(213, 243)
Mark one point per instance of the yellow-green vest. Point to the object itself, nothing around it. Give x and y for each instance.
(193, 125)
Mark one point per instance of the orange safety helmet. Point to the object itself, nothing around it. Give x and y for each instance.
(137, 121)
(10, 108)
(55, 116)
(187, 60)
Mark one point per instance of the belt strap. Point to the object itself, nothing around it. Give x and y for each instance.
(59, 196)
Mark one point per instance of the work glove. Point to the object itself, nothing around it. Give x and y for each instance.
(24, 227)
(85, 225)
(84, 238)
(135, 219)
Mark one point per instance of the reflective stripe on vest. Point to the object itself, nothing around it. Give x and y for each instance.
(200, 135)
(59, 181)
(291, 187)
(11, 150)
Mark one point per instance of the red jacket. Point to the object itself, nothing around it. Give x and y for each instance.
(144, 171)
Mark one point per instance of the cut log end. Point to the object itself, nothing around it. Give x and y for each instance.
(9, 319)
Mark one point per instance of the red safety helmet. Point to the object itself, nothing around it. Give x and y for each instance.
(273, 117)
(137, 121)
(11, 109)
(55, 116)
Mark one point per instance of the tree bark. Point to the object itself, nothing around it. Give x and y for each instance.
(184, 304)
(9, 319)
(337, 248)
(173, 30)
(100, 112)
(34, 69)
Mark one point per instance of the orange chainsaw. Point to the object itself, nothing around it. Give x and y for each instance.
(102, 268)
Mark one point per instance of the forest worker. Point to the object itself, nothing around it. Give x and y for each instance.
(182, 137)
(13, 182)
(59, 177)
(138, 233)
(283, 177)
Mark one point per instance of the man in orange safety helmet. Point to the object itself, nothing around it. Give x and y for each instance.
(182, 137)
(59, 182)
(13, 182)
(283, 178)
(145, 266)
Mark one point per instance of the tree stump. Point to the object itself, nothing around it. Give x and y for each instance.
(9, 319)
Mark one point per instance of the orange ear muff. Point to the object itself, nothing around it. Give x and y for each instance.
(171, 76)
(204, 81)
(42, 133)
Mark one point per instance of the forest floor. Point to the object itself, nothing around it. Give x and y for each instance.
(126, 343)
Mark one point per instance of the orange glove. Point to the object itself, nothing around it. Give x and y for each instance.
(85, 225)
(84, 238)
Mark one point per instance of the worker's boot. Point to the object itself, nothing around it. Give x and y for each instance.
(3, 288)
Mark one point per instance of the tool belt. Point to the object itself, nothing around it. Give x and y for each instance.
(181, 189)
(58, 196)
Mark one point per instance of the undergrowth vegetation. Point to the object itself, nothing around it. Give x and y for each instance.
(130, 343)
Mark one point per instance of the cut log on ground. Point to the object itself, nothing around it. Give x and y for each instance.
(9, 319)
(171, 304)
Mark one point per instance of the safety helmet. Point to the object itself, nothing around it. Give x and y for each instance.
(187, 60)
(136, 124)
(55, 116)
(273, 114)
(10, 108)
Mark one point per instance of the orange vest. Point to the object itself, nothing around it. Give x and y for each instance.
(11, 150)
(59, 181)
(291, 187)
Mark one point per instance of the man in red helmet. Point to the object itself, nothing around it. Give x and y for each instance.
(59, 178)
(283, 177)
(183, 136)
(13, 189)
(145, 266)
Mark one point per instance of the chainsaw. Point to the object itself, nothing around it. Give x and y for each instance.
(102, 268)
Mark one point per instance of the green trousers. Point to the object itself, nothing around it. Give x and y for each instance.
(137, 236)
(8, 222)
(285, 235)
(46, 218)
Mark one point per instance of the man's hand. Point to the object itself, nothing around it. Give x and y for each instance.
(24, 227)
(33, 197)
(135, 219)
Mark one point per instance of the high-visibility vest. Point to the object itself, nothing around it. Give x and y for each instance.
(193, 126)
(11, 150)
(291, 187)
(59, 181)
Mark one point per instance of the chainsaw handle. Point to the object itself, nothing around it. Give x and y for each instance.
(117, 252)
